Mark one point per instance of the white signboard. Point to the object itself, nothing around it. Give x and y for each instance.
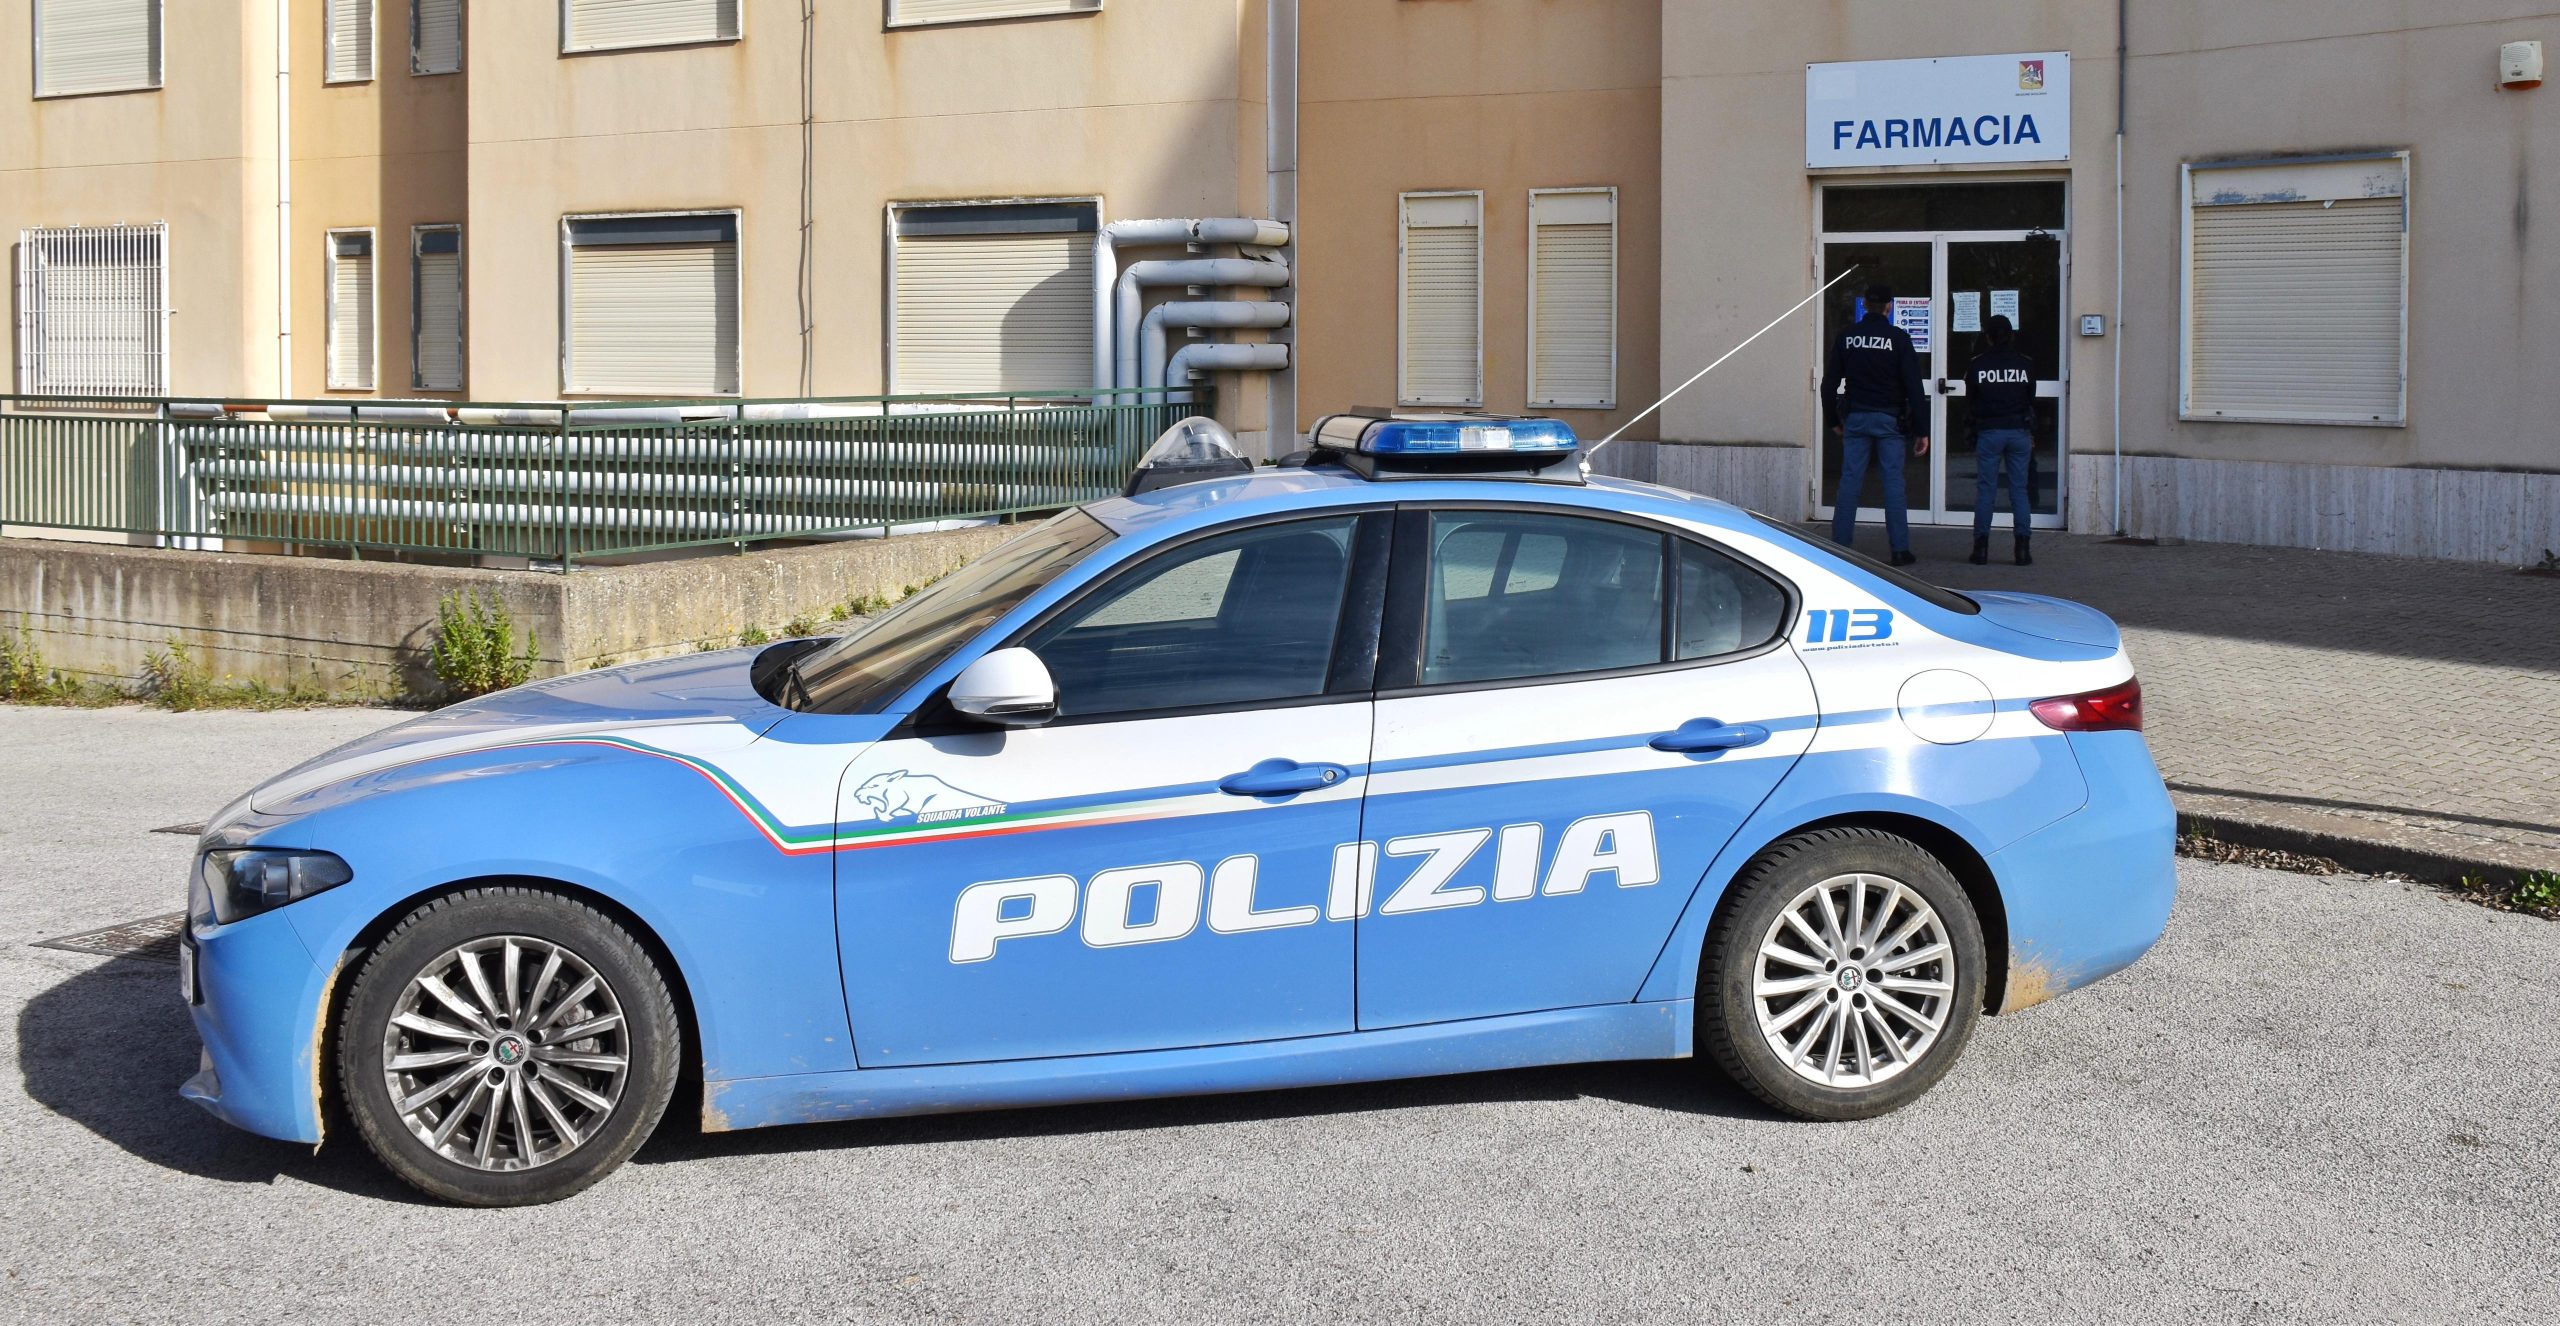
(1931, 112)
(2004, 304)
(1966, 316)
(1911, 314)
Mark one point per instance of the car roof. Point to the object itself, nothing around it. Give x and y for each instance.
(1169, 511)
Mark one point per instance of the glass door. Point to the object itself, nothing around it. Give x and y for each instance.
(1955, 254)
(2019, 279)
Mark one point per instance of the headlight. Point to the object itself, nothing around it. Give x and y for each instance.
(240, 882)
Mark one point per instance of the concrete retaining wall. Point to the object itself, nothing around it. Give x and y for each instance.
(96, 610)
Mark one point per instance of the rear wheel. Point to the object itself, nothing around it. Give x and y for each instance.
(505, 1047)
(1844, 975)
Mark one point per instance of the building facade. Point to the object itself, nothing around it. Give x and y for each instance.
(2276, 262)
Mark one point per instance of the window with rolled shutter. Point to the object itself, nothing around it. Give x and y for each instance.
(87, 46)
(351, 310)
(1440, 328)
(653, 306)
(93, 310)
(907, 13)
(603, 25)
(435, 36)
(436, 308)
(2297, 292)
(348, 36)
(1573, 297)
(992, 298)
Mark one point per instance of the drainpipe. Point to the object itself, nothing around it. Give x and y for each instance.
(2116, 485)
(1280, 194)
(284, 199)
(1113, 326)
(1214, 356)
(1180, 271)
(1198, 313)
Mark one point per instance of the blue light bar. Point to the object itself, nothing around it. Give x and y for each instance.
(1449, 436)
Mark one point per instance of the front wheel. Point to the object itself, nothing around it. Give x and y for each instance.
(1843, 977)
(506, 1047)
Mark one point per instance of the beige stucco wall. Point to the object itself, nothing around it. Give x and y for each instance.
(1498, 95)
(197, 153)
(1738, 202)
(2212, 79)
(1138, 104)
(385, 154)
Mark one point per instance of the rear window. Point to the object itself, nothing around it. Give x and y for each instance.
(1891, 575)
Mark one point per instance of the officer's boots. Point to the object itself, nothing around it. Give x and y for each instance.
(1981, 549)
(2025, 558)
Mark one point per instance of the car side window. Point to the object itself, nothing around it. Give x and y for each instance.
(1243, 617)
(1519, 594)
(1725, 606)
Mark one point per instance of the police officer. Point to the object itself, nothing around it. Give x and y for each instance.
(2000, 383)
(1882, 370)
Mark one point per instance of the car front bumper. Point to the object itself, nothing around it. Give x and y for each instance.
(258, 994)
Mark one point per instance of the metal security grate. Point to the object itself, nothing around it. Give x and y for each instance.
(152, 939)
(93, 307)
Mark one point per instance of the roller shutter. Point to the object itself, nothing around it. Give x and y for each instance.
(351, 312)
(904, 12)
(93, 311)
(2297, 301)
(653, 307)
(437, 310)
(1573, 298)
(96, 46)
(590, 25)
(1440, 348)
(435, 36)
(981, 307)
(349, 40)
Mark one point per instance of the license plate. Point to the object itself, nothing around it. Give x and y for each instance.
(187, 968)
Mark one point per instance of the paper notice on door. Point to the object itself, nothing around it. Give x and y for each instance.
(1912, 315)
(2004, 304)
(1967, 314)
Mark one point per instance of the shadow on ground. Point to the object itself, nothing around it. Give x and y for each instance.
(107, 1048)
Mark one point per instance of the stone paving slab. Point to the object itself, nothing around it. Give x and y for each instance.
(2371, 704)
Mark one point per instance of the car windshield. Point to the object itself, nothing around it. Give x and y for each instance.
(1891, 575)
(872, 663)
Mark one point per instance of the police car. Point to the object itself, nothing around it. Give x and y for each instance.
(1425, 752)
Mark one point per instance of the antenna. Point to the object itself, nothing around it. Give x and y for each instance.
(1693, 378)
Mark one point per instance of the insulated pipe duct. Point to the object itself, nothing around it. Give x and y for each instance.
(1179, 271)
(1185, 230)
(1213, 356)
(1198, 313)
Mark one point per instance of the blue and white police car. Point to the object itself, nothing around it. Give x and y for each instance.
(1425, 752)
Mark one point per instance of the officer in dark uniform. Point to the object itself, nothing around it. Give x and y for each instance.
(2000, 384)
(1882, 370)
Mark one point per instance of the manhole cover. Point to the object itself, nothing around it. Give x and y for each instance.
(152, 939)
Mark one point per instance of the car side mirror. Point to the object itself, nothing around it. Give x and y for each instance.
(1010, 687)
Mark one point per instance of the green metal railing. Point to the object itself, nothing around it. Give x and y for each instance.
(557, 483)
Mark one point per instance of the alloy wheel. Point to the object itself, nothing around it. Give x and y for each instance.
(506, 1053)
(1854, 981)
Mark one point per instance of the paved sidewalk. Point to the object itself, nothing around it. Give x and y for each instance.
(2402, 714)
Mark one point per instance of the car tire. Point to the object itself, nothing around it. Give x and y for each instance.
(507, 1047)
(1833, 1020)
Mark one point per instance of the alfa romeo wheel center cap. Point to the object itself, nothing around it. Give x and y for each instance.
(508, 1050)
(1850, 979)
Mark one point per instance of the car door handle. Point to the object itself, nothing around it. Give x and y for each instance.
(1280, 778)
(1706, 734)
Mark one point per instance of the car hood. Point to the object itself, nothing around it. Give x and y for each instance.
(700, 691)
(2047, 618)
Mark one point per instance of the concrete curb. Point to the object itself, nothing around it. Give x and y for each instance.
(2370, 847)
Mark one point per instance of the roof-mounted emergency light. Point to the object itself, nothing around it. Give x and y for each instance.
(1380, 445)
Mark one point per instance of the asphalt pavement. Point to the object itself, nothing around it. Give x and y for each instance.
(2319, 1098)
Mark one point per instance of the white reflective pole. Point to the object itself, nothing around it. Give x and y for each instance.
(1719, 363)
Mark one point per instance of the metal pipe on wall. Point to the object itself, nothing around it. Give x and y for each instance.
(1179, 271)
(1198, 313)
(1225, 356)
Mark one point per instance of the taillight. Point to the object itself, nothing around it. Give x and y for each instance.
(2118, 708)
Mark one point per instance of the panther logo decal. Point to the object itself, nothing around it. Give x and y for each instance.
(898, 794)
